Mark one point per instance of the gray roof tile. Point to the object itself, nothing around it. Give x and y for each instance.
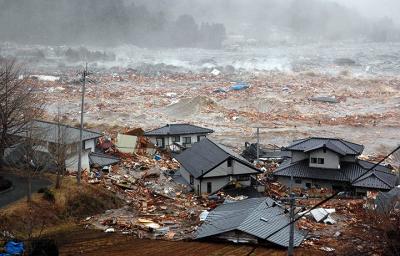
(178, 129)
(379, 178)
(338, 145)
(102, 159)
(53, 132)
(205, 155)
(259, 217)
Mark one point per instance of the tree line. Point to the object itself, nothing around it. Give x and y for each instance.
(102, 22)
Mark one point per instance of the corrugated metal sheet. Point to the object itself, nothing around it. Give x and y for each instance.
(102, 159)
(259, 217)
(178, 129)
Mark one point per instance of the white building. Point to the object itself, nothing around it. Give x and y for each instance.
(48, 134)
(174, 136)
(208, 166)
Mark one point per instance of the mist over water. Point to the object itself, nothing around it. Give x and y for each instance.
(202, 35)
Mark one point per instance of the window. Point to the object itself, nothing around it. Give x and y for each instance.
(209, 187)
(200, 137)
(229, 162)
(191, 180)
(297, 181)
(315, 160)
(308, 185)
(187, 141)
(176, 139)
(324, 150)
(160, 142)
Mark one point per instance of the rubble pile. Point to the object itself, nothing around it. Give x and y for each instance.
(156, 206)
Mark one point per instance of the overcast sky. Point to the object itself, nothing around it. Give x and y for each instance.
(375, 8)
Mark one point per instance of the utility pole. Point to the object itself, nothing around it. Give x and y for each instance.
(258, 145)
(258, 142)
(78, 177)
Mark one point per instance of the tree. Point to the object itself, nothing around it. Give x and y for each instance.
(18, 103)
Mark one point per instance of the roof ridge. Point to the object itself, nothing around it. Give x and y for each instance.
(66, 125)
(301, 141)
(217, 145)
(344, 143)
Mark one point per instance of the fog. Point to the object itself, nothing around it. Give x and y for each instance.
(196, 23)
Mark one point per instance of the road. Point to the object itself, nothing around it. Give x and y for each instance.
(20, 188)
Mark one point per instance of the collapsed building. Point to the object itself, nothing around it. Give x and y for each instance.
(333, 163)
(254, 220)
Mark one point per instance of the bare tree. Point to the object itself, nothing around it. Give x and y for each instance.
(18, 102)
(59, 150)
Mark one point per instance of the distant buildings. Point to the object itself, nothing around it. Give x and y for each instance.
(208, 166)
(332, 163)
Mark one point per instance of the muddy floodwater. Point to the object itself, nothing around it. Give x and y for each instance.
(347, 90)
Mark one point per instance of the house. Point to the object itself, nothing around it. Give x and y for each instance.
(175, 136)
(208, 166)
(332, 163)
(254, 220)
(49, 135)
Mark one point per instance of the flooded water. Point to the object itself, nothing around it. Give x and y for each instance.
(360, 59)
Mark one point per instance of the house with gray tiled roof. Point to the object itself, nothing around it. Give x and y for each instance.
(333, 163)
(254, 220)
(209, 166)
(172, 136)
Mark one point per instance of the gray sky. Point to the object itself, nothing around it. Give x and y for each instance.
(375, 8)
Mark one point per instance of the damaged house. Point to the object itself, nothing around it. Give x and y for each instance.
(208, 166)
(254, 220)
(332, 163)
(177, 136)
(50, 136)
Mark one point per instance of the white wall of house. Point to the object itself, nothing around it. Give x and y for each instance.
(72, 162)
(298, 156)
(169, 140)
(303, 182)
(331, 159)
(90, 144)
(216, 184)
(237, 168)
(220, 176)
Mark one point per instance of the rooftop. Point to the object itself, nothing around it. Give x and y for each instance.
(379, 178)
(178, 129)
(205, 155)
(55, 133)
(260, 217)
(337, 145)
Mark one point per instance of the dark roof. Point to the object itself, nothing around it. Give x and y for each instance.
(53, 132)
(260, 217)
(102, 159)
(379, 178)
(205, 155)
(178, 129)
(340, 146)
